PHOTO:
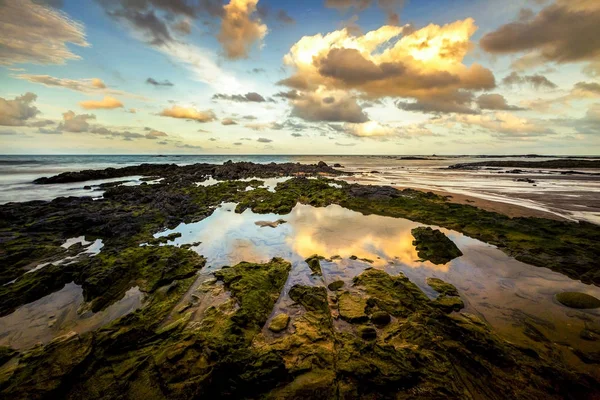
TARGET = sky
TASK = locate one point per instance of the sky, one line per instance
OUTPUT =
(409, 77)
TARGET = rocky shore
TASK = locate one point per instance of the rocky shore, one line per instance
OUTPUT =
(559, 164)
(380, 337)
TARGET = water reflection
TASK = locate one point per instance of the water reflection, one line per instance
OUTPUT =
(57, 314)
(510, 295)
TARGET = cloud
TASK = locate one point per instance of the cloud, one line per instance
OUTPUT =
(154, 134)
(33, 33)
(251, 97)
(75, 123)
(501, 124)
(188, 113)
(563, 32)
(588, 125)
(237, 143)
(17, 111)
(87, 86)
(345, 144)
(228, 121)
(537, 81)
(261, 126)
(592, 88)
(391, 7)
(154, 82)
(284, 17)
(425, 65)
(452, 102)
(495, 102)
(183, 27)
(263, 140)
(370, 129)
(240, 29)
(108, 103)
(336, 106)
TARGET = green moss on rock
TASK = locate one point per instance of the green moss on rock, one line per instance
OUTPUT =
(434, 246)
(279, 323)
(442, 287)
(578, 300)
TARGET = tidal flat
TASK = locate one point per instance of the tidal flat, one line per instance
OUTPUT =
(249, 280)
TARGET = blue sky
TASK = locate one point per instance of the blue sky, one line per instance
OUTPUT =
(290, 77)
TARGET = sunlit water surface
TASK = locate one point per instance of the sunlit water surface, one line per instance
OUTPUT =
(510, 295)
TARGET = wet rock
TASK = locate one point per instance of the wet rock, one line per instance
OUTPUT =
(6, 353)
(314, 263)
(578, 300)
(321, 164)
(338, 165)
(367, 332)
(380, 318)
(586, 334)
(592, 357)
(336, 285)
(352, 307)
(434, 246)
(310, 297)
(442, 287)
(270, 224)
(449, 303)
(279, 323)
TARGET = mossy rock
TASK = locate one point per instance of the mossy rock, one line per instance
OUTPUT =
(352, 307)
(6, 353)
(442, 287)
(279, 323)
(312, 298)
(334, 286)
(434, 246)
(314, 263)
(381, 318)
(367, 332)
(578, 300)
(449, 303)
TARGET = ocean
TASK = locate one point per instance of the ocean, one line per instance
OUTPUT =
(575, 197)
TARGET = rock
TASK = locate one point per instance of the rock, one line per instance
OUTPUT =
(449, 303)
(367, 332)
(434, 246)
(270, 224)
(578, 300)
(586, 334)
(314, 264)
(333, 286)
(322, 164)
(353, 257)
(380, 318)
(442, 287)
(352, 307)
(592, 357)
(279, 323)
(338, 165)
(310, 297)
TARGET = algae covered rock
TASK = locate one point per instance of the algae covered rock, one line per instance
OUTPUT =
(336, 285)
(367, 332)
(310, 297)
(279, 323)
(434, 246)
(578, 300)
(442, 287)
(314, 263)
(352, 307)
(380, 318)
(449, 303)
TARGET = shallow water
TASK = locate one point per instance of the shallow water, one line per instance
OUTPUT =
(508, 294)
(60, 313)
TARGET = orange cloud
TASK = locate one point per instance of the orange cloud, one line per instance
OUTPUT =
(239, 29)
(108, 103)
(188, 113)
(425, 64)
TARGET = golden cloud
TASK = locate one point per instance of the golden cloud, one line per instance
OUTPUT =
(564, 31)
(240, 29)
(108, 103)
(425, 64)
(188, 113)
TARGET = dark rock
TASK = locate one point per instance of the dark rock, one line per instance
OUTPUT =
(578, 300)
(367, 332)
(434, 246)
(333, 286)
(380, 318)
